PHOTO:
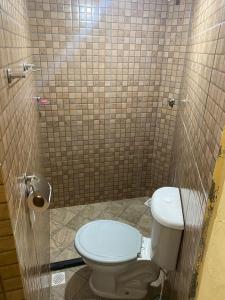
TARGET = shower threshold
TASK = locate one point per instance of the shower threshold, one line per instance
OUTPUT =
(65, 264)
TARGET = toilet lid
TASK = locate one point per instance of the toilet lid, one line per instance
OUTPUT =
(108, 241)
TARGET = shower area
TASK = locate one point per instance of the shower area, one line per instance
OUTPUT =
(122, 97)
(108, 69)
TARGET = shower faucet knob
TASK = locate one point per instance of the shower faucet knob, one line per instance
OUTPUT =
(171, 102)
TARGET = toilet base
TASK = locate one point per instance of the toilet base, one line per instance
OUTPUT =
(123, 293)
(126, 280)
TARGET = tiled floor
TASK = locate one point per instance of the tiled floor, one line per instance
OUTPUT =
(64, 224)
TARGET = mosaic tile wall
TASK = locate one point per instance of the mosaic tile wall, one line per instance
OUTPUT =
(176, 29)
(19, 152)
(108, 68)
(199, 128)
(10, 276)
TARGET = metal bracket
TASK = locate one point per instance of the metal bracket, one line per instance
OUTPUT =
(36, 98)
(30, 67)
(172, 101)
(27, 180)
(14, 75)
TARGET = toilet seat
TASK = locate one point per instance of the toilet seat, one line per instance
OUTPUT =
(108, 241)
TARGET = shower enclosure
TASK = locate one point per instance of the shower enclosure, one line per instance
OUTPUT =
(107, 70)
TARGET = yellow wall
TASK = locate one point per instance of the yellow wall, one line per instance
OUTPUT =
(211, 281)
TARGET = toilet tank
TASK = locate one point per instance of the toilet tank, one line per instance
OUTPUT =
(167, 227)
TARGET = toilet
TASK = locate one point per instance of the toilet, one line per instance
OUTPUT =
(123, 262)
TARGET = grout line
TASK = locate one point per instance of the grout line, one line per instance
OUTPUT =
(204, 109)
(208, 29)
(21, 198)
(195, 161)
(214, 58)
(182, 87)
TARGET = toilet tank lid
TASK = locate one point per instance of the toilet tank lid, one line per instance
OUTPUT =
(166, 207)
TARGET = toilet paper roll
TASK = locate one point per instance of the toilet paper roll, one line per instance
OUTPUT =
(40, 194)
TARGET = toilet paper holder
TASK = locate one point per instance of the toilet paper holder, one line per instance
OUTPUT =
(38, 192)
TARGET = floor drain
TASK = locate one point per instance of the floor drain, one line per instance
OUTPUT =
(58, 278)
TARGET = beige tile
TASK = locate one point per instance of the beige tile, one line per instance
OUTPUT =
(133, 213)
(76, 222)
(67, 254)
(145, 224)
(55, 249)
(62, 217)
(64, 237)
(116, 208)
(55, 226)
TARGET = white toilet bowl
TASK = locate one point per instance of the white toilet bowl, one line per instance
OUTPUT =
(124, 262)
(120, 259)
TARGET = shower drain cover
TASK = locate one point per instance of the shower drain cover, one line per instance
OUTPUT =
(58, 278)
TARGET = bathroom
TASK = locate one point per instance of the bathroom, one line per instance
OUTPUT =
(108, 104)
